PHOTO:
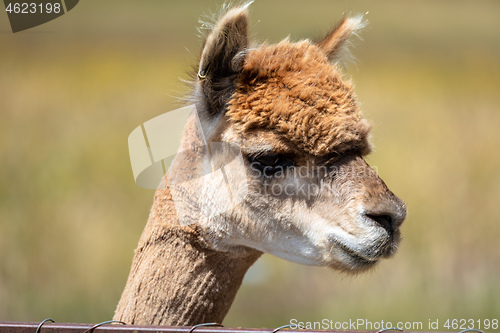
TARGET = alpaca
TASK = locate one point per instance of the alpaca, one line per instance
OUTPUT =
(296, 121)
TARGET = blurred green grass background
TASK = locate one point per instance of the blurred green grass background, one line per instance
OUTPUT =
(427, 75)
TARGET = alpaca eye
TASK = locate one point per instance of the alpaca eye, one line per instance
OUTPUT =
(274, 160)
(269, 164)
(270, 160)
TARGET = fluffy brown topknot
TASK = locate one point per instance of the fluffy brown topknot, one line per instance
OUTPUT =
(292, 89)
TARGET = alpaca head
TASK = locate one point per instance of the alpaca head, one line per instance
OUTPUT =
(311, 198)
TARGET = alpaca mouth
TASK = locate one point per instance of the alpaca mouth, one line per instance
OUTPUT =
(361, 257)
(357, 255)
(356, 259)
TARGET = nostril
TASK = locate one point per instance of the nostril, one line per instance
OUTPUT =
(384, 220)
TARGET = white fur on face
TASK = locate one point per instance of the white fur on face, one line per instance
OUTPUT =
(325, 230)
(312, 219)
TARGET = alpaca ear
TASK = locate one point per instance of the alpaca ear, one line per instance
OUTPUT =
(335, 44)
(222, 57)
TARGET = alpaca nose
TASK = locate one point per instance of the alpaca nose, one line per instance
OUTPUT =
(389, 214)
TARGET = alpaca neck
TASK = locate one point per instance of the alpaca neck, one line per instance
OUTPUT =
(176, 279)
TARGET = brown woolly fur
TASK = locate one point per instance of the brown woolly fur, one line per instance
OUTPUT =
(292, 89)
(176, 279)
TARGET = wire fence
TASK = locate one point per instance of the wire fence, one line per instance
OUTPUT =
(49, 326)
